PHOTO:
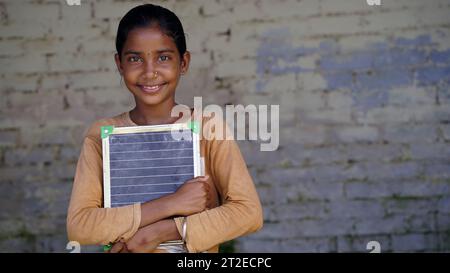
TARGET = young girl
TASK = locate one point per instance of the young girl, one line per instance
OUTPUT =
(205, 211)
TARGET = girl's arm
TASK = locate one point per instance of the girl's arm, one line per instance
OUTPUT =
(190, 198)
(148, 238)
(87, 221)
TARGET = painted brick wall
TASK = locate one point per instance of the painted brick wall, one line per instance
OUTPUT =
(364, 95)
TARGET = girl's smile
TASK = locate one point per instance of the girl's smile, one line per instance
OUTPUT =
(152, 89)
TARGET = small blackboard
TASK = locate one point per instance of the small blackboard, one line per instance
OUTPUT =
(142, 163)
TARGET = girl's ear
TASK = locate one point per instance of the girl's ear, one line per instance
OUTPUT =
(118, 63)
(185, 60)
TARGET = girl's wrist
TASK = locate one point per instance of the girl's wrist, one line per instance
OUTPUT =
(167, 230)
(172, 205)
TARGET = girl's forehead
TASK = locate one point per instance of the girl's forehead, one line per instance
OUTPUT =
(149, 38)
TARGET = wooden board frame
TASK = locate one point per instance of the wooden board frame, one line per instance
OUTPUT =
(111, 130)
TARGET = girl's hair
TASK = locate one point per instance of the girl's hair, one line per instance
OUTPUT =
(149, 15)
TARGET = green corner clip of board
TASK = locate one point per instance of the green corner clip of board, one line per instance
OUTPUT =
(107, 247)
(106, 131)
(194, 126)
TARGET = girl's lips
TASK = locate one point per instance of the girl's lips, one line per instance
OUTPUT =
(151, 89)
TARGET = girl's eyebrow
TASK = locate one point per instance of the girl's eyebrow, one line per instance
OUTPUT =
(128, 52)
(165, 50)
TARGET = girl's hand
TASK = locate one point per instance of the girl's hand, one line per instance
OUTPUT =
(192, 197)
(147, 239)
(144, 241)
(119, 247)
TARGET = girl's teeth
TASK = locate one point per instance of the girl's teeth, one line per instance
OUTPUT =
(151, 88)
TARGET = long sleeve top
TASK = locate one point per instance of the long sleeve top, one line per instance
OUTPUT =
(235, 211)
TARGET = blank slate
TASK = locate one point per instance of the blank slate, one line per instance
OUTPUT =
(142, 163)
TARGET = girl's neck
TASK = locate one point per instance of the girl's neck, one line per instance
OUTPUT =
(153, 115)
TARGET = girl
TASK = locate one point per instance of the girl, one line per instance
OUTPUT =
(204, 212)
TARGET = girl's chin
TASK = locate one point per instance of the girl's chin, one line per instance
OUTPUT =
(149, 100)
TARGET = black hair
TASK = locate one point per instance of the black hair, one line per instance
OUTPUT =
(151, 15)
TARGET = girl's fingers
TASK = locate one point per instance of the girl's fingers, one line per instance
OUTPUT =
(202, 178)
(198, 178)
(117, 247)
(124, 249)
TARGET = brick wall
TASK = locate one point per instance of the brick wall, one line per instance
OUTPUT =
(364, 113)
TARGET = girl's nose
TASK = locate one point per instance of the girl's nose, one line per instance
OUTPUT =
(149, 69)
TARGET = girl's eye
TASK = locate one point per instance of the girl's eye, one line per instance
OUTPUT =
(134, 59)
(163, 58)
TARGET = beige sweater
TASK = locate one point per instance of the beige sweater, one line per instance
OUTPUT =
(237, 210)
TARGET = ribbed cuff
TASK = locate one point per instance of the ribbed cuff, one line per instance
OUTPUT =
(179, 223)
(136, 220)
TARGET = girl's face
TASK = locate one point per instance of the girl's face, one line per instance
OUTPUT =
(151, 65)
